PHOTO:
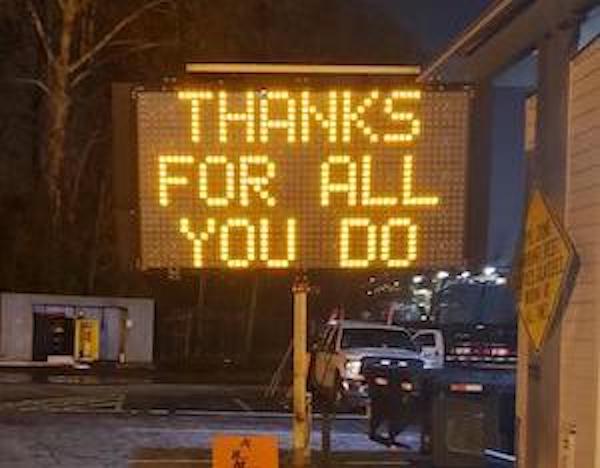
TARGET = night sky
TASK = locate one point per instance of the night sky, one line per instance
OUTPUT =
(436, 22)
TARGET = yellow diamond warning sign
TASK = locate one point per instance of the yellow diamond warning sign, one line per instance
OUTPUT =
(547, 268)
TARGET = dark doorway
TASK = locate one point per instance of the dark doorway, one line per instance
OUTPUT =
(53, 335)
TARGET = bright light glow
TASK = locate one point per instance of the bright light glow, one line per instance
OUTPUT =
(353, 368)
(253, 183)
(407, 183)
(242, 226)
(184, 228)
(413, 124)
(246, 117)
(265, 245)
(489, 270)
(349, 186)
(367, 199)
(441, 275)
(165, 180)
(243, 172)
(267, 122)
(348, 226)
(418, 279)
(195, 97)
(387, 240)
(203, 189)
(354, 117)
(328, 123)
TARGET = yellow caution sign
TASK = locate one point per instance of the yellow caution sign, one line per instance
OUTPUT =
(87, 340)
(245, 452)
(547, 269)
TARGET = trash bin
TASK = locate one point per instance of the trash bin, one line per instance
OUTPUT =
(467, 419)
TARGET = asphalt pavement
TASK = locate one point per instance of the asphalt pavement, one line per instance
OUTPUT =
(135, 398)
(102, 440)
(74, 420)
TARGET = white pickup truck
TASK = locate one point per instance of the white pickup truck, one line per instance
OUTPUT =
(345, 347)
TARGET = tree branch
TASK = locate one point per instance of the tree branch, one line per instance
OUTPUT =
(37, 83)
(131, 50)
(41, 32)
(108, 37)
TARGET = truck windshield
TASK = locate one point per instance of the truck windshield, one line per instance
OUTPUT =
(376, 338)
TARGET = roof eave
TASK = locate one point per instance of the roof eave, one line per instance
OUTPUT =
(475, 29)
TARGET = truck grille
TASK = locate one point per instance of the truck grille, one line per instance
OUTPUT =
(392, 363)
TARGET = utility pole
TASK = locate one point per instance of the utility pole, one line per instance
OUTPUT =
(301, 425)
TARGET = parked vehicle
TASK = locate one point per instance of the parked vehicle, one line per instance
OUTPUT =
(474, 326)
(430, 343)
(347, 347)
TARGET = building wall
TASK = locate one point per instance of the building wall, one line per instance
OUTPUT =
(580, 348)
(16, 323)
(16, 331)
(548, 170)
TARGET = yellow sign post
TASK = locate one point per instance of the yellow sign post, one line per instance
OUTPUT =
(245, 451)
(547, 269)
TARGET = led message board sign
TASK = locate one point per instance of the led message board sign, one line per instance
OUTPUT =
(285, 176)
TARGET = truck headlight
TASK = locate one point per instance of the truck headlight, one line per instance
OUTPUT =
(352, 368)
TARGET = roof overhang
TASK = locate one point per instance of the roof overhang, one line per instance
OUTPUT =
(504, 32)
(471, 33)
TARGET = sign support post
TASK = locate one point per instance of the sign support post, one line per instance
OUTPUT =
(301, 434)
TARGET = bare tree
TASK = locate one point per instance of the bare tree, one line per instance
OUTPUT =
(72, 41)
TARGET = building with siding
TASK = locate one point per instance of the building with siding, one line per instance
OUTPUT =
(535, 66)
(46, 328)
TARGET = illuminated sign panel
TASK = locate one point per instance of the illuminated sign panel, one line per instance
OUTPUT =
(301, 177)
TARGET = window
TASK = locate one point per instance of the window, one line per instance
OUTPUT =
(426, 339)
(376, 338)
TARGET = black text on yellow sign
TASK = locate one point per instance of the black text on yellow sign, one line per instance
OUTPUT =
(547, 263)
(320, 178)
